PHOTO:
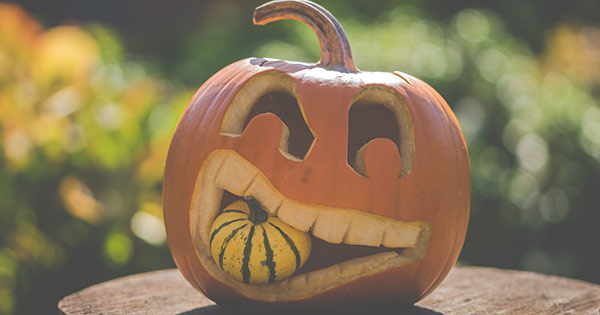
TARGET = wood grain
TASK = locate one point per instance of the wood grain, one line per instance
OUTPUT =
(466, 290)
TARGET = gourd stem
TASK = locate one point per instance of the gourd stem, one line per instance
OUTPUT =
(257, 214)
(335, 49)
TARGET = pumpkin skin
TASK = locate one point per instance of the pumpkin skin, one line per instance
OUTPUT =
(256, 252)
(435, 191)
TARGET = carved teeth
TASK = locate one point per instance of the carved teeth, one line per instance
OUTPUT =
(333, 225)
(227, 170)
(298, 215)
(269, 198)
(235, 176)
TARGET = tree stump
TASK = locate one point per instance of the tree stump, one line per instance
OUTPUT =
(466, 290)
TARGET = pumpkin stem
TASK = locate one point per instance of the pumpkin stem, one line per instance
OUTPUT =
(335, 49)
(257, 214)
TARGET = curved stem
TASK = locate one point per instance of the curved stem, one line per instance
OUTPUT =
(335, 49)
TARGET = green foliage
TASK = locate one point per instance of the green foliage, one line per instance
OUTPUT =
(83, 139)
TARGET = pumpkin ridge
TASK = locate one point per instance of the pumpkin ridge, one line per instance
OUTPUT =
(246, 260)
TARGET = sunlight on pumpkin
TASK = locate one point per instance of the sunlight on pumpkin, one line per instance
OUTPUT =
(79, 201)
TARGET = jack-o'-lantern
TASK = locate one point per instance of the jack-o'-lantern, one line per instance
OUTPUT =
(371, 168)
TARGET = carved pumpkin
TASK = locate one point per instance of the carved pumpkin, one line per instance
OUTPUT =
(372, 164)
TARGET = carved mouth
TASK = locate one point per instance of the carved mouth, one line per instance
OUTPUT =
(378, 243)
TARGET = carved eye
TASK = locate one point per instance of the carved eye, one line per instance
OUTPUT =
(378, 112)
(271, 92)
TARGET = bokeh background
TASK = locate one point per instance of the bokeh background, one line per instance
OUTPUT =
(91, 91)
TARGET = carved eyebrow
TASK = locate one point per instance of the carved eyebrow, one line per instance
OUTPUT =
(378, 112)
(272, 92)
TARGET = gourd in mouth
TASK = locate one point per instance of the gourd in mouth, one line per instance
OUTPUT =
(234, 174)
(253, 247)
(372, 167)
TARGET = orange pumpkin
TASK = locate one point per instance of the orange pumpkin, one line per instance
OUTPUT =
(372, 164)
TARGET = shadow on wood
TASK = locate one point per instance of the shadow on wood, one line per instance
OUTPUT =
(412, 310)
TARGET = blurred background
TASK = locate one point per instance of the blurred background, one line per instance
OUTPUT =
(91, 91)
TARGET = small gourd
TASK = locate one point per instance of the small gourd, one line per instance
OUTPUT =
(253, 247)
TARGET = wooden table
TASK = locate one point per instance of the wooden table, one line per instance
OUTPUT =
(466, 290)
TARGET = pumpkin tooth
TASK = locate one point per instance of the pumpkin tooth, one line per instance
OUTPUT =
(331, 226)
(371, 230)
(349, 226)
(269, 198)
(236, 175)
(299, 216)
(365, 229)
(402, 234)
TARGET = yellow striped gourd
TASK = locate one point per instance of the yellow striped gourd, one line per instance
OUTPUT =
(253, 247)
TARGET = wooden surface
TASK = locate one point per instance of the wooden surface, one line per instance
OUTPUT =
(466, 290)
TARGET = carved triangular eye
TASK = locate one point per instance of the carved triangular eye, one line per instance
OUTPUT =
(378, 112)
(271, 92)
